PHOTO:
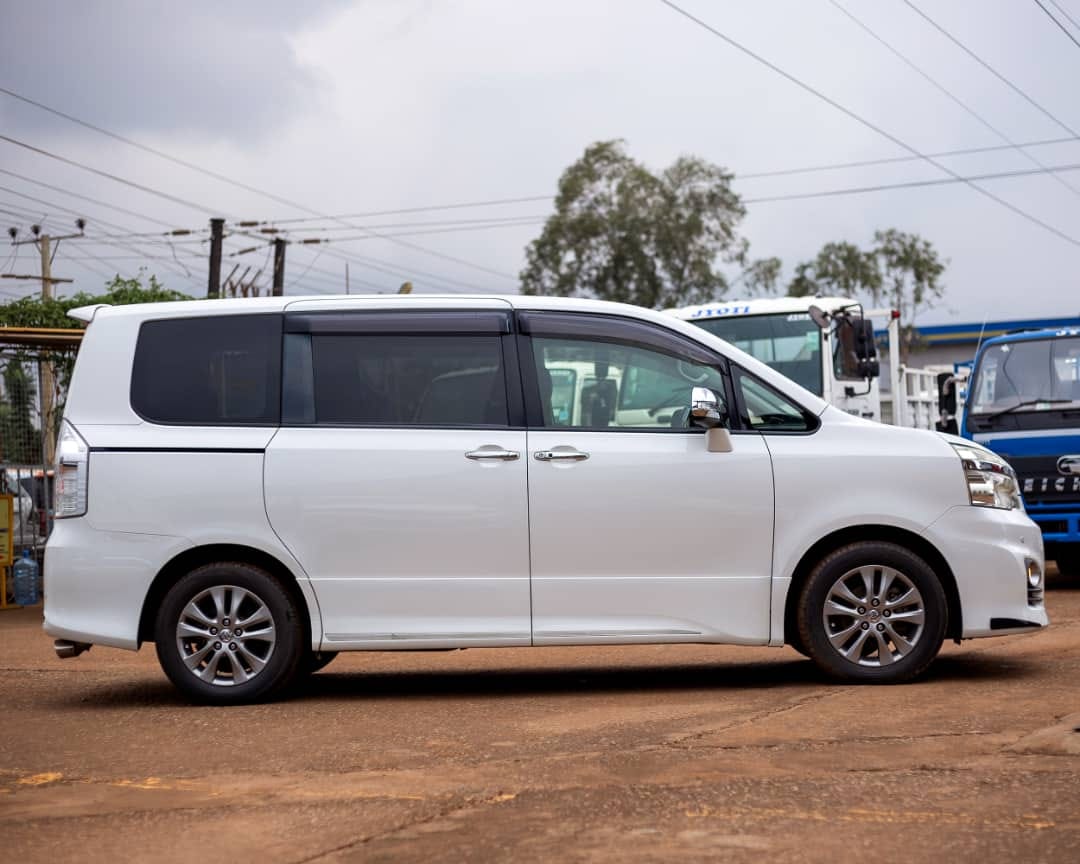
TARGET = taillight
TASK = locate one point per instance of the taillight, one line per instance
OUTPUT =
(72, 469)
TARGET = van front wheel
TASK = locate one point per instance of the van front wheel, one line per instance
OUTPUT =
(872, 612)
(229, 633)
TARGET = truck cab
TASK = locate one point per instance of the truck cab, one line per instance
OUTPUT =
(1023, 402)
(825, 344)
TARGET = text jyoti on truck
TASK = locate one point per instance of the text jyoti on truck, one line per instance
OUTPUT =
(1024, 404)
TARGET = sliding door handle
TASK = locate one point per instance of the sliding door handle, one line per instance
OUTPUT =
(560, 455)
(494, 453)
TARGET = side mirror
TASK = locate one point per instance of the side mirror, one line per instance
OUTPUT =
(946, 385)
(865, 346)
(869, 368)
(820, 317)
(704, 408)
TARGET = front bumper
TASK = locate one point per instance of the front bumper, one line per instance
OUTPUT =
(988, 551)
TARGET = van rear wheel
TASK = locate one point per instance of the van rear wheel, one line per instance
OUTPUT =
(229, 633)
(872, 612)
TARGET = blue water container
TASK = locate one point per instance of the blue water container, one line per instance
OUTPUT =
(25, 574)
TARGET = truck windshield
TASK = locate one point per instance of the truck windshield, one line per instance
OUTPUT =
(789, 343)
(1034, 375)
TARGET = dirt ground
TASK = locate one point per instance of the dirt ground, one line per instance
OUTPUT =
(559, 754)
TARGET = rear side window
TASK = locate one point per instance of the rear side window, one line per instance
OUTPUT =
(211, 371)
(395, 370)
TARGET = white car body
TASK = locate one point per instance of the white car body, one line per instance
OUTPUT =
(395, 541)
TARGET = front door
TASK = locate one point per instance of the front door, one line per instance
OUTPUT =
(397, 480)
(638, 532)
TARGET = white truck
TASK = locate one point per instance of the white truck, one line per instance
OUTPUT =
(827, 345)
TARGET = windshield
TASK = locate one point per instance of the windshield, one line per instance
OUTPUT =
(1037, 375)
(789, 343)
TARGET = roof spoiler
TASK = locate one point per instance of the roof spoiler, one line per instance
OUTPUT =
(86, 313)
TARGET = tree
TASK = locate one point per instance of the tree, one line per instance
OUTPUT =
(622, 233)
(900, 269)
(35, 312)
(910, 273)
(20, 442)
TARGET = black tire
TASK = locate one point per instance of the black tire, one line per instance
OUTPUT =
(795, 641)
(282, 656)
(881, 561)
(316, 660)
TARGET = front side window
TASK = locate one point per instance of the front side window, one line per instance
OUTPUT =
(213, 371)
(767, 410)
(369, 379)
(597, 380)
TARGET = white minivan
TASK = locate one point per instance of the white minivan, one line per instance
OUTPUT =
(256, 485)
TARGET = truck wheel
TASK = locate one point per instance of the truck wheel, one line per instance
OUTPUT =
(872, 612)
(229, 633)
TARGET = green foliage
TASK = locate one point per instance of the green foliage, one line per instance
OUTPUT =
(622, 233)
(20, 442)
(35, 312)
(901, 270)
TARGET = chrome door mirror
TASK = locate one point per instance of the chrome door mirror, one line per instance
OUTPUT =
(704, 408)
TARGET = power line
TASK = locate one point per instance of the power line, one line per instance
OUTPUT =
(1064, 29)
(140, 186)
(869, 125)
(952, 96)
(221, 177)
(911, 184)
(493, 202)
(864, 163)
(988, 67)
(439, 223)
(83, 197)
(1063, 11)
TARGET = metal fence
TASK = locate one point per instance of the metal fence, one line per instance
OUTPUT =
(31, 400)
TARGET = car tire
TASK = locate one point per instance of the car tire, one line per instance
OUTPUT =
(200, 649)
(872, 612)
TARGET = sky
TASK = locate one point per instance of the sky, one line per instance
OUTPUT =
(351, 107)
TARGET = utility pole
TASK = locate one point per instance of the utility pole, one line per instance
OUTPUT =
(213, 286)
(47, 377)
(279, 267)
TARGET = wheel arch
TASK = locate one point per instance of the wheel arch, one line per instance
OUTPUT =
(197, 556)
(880, 533)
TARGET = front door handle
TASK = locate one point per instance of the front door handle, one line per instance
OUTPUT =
(560, 455)
(496, 453)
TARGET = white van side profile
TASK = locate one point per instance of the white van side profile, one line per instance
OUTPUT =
(257, 485)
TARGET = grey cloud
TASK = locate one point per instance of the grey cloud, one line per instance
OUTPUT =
(217, 70)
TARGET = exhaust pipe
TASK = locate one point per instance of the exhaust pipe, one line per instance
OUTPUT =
(65, 649)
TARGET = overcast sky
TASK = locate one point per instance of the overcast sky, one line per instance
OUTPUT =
(373, 105)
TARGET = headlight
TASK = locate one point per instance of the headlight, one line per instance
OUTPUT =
(991, 481)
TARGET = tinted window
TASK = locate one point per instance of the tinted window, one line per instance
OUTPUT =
(589, 384)
(208, 371)
(399, 380)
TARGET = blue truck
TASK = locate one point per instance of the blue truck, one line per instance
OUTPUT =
(1023, 402)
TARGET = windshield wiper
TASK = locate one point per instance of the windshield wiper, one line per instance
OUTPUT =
(1027, 403)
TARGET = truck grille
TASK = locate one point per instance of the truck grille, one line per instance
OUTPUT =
(1040, 482)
